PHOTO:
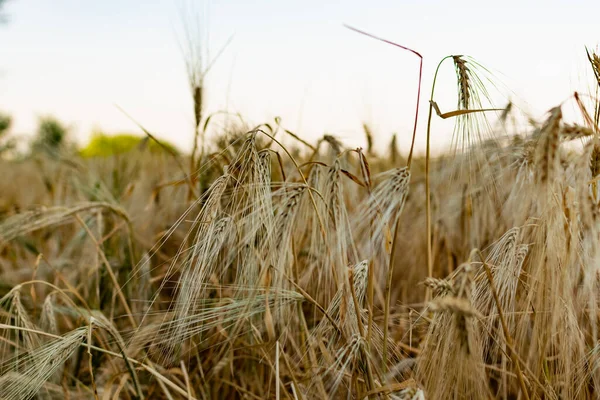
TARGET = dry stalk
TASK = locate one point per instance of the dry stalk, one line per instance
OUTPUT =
(507, 335)
(547, 152)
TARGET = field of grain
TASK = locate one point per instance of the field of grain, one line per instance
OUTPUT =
(255, 270)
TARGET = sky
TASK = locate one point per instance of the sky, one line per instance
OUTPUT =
(82, 60)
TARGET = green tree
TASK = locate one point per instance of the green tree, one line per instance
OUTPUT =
(6, 144)
(5, 123)
(51, 136)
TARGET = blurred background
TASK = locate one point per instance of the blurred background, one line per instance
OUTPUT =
(79, 61)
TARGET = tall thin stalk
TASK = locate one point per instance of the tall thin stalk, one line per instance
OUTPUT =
(513, 355)
(388, 287)
(198, 63)
(427, 179)
(412, 145)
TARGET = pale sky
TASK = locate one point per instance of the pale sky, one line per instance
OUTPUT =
(76, 59)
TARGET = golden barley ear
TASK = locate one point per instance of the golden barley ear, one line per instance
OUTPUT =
(463, 79)
(595, 159)
(368, 137)
(473, 81)
(575, 131)
(22, 377)
(506, 112)
(594, 60)
(394, 155)
(547, 147)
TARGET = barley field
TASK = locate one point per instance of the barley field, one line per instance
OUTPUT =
(257, 270)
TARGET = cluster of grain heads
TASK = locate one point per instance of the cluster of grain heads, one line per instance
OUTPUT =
(531, 318)
(341, 338)
(22, 376)
(256, 250)
(497, 293)
(306, 286)
(506, 258)
(343, 332)
(329, 231)
(235, 274)
(227, 316)
(14, 314)
(30, 221)
(342, 319)
(380, 212)
(546, 156)
(453, 340)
